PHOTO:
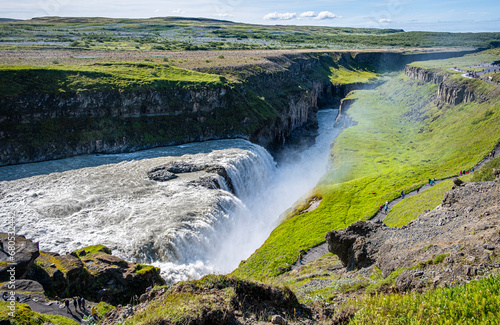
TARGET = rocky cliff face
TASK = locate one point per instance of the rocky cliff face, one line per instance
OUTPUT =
(266, 107)
(450, 90)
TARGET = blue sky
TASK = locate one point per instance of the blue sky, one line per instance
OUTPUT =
(428, 15)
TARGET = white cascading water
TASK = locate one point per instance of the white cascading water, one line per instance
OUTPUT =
(185, 229)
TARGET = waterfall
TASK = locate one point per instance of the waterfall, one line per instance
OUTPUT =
(183, 227)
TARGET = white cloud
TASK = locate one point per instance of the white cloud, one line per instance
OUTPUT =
(326, 15)
(385, 20)
(307, 14)
(224, 15)
(280, 16)
(178, 11)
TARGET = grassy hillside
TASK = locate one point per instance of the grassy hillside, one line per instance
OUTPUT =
(399, 142)
(173, 33)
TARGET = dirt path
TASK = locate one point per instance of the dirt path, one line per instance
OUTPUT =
(322, 249)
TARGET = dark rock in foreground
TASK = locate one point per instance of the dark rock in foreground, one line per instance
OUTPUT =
(91, 272)
(25, 254)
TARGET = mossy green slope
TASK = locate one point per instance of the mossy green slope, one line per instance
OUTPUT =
(400, 141)
(473, 303)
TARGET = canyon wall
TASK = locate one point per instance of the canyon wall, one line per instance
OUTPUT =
(265, 106)
(452, 88)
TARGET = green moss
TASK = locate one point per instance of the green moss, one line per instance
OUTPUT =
(89, 250)
(438, 259)
(25, 316)
(103, 307)
(144, 269)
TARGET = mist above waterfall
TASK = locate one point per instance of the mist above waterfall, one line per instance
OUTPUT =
(186, 229)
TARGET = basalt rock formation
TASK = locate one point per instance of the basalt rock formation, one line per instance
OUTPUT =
(450, 90)
(266, 106)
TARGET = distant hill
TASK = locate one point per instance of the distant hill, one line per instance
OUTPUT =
(182, 33)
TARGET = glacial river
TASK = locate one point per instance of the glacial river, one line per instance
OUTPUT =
(186, 229)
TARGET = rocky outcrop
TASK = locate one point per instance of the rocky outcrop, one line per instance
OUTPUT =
(455, 242)
(451, 91)
(224, 300)
(170, 170)
(454, 93)
(352, 245)
(91, 272)
(426, 75)
(17, 252)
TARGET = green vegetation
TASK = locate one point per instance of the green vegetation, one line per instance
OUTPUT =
(89, 250)
(190, 34)
(464, 61)
(103, 307)
(25, 316)
(144, 268)
(473, 303)
(485, 173)
(19, 79)
(216, 298)
(409, 208)
(389, 150)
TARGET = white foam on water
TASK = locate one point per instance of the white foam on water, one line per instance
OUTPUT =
(186, 229)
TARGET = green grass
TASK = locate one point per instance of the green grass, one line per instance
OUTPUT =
(473, 303)
(25, 316)
(386, 152)
(487, 56)
(21, 79)
(485, 173)
(410, 208)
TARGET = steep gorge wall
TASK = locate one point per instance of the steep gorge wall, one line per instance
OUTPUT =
(452, 90)
(266, 107)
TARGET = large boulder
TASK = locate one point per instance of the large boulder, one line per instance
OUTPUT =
(352, 246)
(61, 275)
(25, 287)
(117, 281)
(25, 254)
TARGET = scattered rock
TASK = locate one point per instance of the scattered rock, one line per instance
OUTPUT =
(447, 244)
(496, 172)
(277, 319)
